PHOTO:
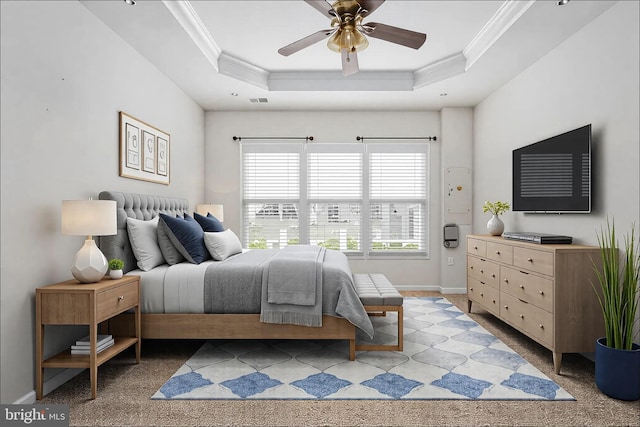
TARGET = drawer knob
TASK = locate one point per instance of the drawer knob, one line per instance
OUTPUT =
(493, 300)
(481, 271)
(530, 259)
(506, 280)
(506, 307)
(541, 292)
(471, 267)
(470, 289)
(475, 247)
(522, 316)
(541, 326)
(121, 298)
(493, 275)
(521, 286)
(481, 294)
(497, 252)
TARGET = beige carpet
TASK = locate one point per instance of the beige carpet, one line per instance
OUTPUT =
(124, 389)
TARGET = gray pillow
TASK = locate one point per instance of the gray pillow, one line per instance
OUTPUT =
(169, 252)
(144, 242)
(222, 244)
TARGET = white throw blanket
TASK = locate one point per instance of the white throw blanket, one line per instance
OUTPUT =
(292, 286)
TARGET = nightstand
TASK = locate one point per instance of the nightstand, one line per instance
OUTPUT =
(74, 303)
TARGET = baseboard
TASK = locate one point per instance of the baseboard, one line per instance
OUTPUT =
(49, 385)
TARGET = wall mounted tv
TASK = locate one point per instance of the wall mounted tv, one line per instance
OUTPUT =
(554, 175)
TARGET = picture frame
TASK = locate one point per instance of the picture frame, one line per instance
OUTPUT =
(144, 151)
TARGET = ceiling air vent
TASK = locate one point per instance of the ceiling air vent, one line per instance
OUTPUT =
(258, 100)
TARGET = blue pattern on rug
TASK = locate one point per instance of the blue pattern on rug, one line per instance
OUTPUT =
(462, 384)
(321, 385)
(248, 385)
(392, 385)
(532, 385)
(183, 384)
(446, 356)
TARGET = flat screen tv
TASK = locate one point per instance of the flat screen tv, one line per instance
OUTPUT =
(554, 175)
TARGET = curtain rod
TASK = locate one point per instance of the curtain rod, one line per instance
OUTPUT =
(428, 138)
(240, 138)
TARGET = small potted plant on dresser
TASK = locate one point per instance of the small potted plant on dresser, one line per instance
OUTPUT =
(495, 226)
(115, 268)
(617, 356)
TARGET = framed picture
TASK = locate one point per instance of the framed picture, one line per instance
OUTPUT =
(144, 151)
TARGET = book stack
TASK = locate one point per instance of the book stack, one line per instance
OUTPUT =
(83, 345)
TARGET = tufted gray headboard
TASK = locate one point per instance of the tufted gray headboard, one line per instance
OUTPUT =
(137, 206)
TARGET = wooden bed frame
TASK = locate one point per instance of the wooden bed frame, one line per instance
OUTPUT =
(199, 326)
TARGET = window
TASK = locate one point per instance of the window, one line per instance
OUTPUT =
(368, 199)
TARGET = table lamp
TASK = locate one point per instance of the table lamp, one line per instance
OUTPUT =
(89, 218)
(215, 210)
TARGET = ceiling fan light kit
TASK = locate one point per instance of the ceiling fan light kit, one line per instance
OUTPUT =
(348, 34)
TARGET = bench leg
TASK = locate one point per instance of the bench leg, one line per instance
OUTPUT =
(376, 310)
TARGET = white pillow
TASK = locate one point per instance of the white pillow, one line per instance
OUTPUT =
(143, 236)
(222, 244)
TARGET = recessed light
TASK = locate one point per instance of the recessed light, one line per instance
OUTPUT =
(563, 2)
(130, 2)
(234, 94)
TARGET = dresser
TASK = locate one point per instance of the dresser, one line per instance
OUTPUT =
(543, 291)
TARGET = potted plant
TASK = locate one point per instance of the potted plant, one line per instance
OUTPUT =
(617, 356)
(495, 226)
(115, 268)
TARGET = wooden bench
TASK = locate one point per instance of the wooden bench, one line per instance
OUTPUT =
(378, 296)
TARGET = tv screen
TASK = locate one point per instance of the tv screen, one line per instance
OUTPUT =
(554, 175)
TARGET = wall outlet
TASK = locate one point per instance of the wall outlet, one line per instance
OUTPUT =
(450, 260)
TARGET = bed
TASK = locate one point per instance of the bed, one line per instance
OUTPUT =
(236, 295)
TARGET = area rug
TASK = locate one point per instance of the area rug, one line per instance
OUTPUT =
(446, 356)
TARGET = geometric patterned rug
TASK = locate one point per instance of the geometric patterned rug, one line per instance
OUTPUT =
(446, 356)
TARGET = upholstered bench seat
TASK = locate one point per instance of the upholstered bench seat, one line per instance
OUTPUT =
(378, 296)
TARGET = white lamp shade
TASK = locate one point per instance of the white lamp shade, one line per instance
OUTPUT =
(215, 210)
(89, 217)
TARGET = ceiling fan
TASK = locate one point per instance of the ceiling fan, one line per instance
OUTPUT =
(348, 33)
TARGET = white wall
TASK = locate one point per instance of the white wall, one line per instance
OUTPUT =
(590, 78)
(223, 169)
(65, 77)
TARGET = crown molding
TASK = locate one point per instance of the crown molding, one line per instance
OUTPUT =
(187, 17)
(500, 22)
(440, 70)
(335, 81)
(243, 71)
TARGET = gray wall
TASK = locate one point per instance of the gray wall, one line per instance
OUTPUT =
(65, 77)
(590, 78)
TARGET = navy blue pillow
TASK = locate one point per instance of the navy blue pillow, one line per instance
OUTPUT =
(209, 223)
(187, 236)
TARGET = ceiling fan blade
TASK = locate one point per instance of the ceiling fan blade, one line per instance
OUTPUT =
(370, 6)
(349, 61)
(322, 6)
(305, 42)
(395, 35)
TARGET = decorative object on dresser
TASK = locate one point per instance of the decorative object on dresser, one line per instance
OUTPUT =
(495, 226)
(89, 218)
(66, 303)
(617, 356)
(541, 290)
(115, 268)
(144, 151)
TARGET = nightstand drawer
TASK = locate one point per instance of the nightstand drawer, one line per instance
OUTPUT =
(499, 252)
(116, 300)
(527, 287)
(485, 271)
(487, 296)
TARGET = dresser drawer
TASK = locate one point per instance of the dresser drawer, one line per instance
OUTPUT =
(534, 260)
(486, 296)
(116, 300)
(527, 287)
(485, 271)
(536, 322)
(499, 252)
(476, 247)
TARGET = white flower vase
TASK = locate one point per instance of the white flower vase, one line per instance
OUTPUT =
(495, 226)
(115, 274)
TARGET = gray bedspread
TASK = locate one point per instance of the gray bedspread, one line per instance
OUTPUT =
(235, 286)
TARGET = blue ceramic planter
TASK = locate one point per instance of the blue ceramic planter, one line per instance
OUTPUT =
(618, 371)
